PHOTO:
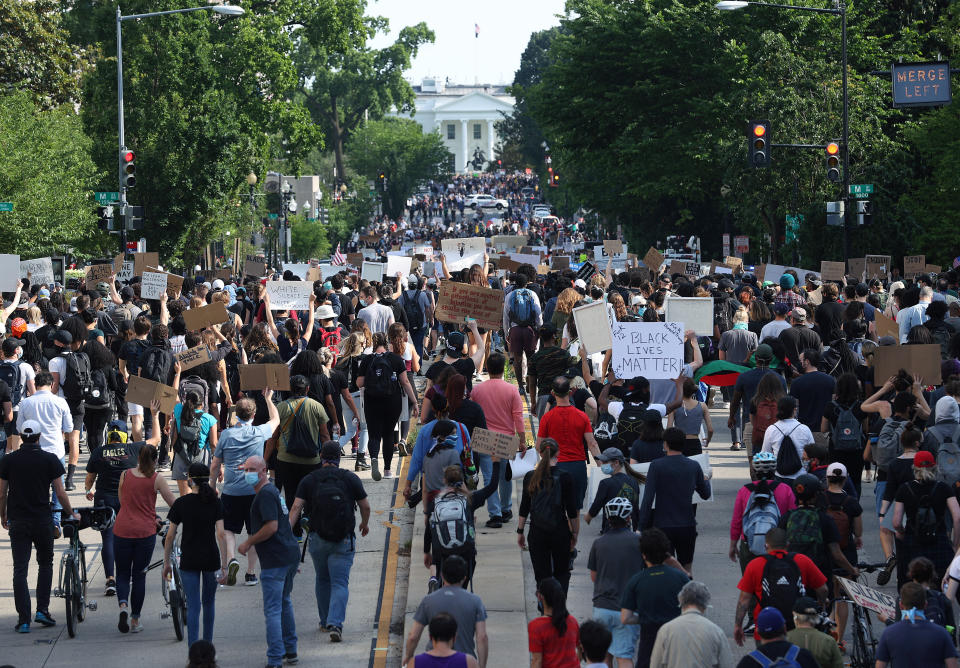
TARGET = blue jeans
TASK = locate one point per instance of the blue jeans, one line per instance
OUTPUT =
(106, 537)
(878, 490)
(54, 501)
(579, 472)
(485, 464)
(332, 562)
(417, 338)
(132, 556)
(192, 581)
(276, 585)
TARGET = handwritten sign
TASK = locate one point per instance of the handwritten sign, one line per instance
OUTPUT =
(463, 253)
(694, 313)
(372, 271)
(263, 376)
(152, 284)
(734, 263)
(40, 270)
(141, 391)
(613, 246)
(653, 259)
(858, 267)
(913, 265)
(126, 272)
(356, 259)
(143, 260)
(398, 263)
(932, 269)
(684, 268)
(878, 266)
(96, 274)
(869, 598)
(593, 327)
(205, 316)
(494, 443)
(254, 268)
(832, 271)
(461, 300)
(289, 295)
(192, 357)
(653, 350)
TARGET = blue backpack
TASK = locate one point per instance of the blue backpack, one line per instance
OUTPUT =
(521, 308)
(787, 661)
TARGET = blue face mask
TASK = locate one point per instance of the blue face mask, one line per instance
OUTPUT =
(251, 478)
(607, 468)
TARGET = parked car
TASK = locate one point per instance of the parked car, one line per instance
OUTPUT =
(484, 201)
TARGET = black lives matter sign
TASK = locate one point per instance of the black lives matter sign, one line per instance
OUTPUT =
(921, 84)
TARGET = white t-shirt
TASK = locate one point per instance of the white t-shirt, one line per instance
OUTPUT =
(953, 572)
(58, 365)
(615, 407)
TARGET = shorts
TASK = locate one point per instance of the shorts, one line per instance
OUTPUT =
(181, 463)
(10, 428)
(522, 340)
(134, 409)
(76, 412)
(684, 541)
(625, 636)
(236, 512)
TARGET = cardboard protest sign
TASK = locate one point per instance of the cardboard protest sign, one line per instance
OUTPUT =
(832, 271)
(40, 270)
(205, 316)
(263, 376)
(254, 268)
(192, 357)
(463, 253)
(858, 267)
(461, 300)
(97, 273)
(735, 263)
(494, 443)
(653, 350)
(174, 282)
(543, 269)
(509, 241)
(152, 284)
(507, 264)
(886, 326)
(523, 258)
(143, 260)
(117, 263)
(593, 327)
(141, 391)
(369, 238)
(869, 598)
(815, 297)
(932, 269)
(694, 313)
(919, 360)
(600, 254)
(289, 295)
(878, 266)
(560, 262)
(913, 265)
(356, 259)
(372, 271)
(613, 246)
(398, 263)
(653, 259)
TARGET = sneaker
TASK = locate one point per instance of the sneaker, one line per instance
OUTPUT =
(232, 569)
(163, 468)
(884, 576)
(44, 619)
(323, 627)
(387, 473)
(735, 447)
(69, 485)
(506, 515)
(573, 558)
(868, 476)
(750, 627)
(433, 584)
(375, 462)
(136, 626)
(336, 634)
(361, 464)
(353, 450)
(251, 580)
(494, 523)
(57, 531)
(291, 659)
(22, 628)
(123, 625)
(111, 587)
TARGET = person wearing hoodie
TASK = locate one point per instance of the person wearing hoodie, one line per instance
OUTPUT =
(947, 425)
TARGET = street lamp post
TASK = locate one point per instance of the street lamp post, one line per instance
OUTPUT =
(226, 10)
(839, 9)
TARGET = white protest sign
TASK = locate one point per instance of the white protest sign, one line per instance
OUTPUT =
(369, 253)
(152, 285)
(425, 251)
(289, 295)
(40, 270)
(593, 327)
(773, 273)
(869, 598)
(525, 258)
(298, 270)
(694, 313)
(653, 350)
(126, 273)
(399, 263)
(9, 272)
(430, 268)
(523, 464)
(463, 253)
(372, 271)
(600, 254)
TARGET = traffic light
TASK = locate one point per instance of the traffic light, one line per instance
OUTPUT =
(758, 144)
(105, 218)
(133, 217)
(382, 180)
(833, 161)
(555, 179)
(128, 168)
(864, 212)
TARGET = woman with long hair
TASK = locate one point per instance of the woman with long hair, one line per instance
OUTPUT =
(202, 552)
(258, 342)
(846, 403)
(360, 325)
(194, 437)
(763, 408)
(566, 301)
(553, 636)
(307, 363)
(619, 308)
(649, 444)
(478, 276)
(549, 499)
(98, 409)
(399, 345)
(354, 419)
(291, 340)
(436, 389)
(689, 417)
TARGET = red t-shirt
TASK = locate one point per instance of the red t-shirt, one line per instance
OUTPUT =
(566, 425)
(557, 652)
(752, 579)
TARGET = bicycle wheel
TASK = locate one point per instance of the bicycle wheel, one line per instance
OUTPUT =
(870, 641)
(176, 613)
(70, 597)
(82, 586)
(860, 657)
(183, 598)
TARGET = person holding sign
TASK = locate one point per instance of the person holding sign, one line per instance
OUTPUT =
(292, 340)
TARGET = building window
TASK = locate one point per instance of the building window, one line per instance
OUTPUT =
(452, 164)
(476, 131)
(451, 131)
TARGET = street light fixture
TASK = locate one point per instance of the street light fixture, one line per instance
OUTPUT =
(839, 9)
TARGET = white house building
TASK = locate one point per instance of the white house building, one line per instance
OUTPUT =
(464, 116)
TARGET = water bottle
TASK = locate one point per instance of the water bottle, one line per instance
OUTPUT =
(283, 505)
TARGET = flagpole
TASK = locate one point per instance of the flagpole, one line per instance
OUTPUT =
(476, 40)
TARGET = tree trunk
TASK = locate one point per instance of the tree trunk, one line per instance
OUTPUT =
(337, 139)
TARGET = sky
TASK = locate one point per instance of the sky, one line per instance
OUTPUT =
(493, 57)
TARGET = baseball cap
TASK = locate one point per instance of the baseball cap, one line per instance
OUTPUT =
(799, 314)
(126, 292)
(924, 460)
(725, 284)
(43, 292)
(218, 284)
(580, 283)
(330, 451)
(455, 344)
(413, 280)
(611, 455)
(781, 309)
(836, 470)
(63, 337)
(806, 606)
(764, 352)
(10, 346)
(30, 428)
(18, 326)
(770, 622)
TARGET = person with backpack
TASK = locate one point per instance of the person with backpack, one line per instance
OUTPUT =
(785, 438)
(847, 514)
(773, 648)
(194, 436)
(744, 390)
(621, 482)
(919, 512)
(846, 423)
(129, 355)
(326, 498)
(417, 305)
(763, 409)
(939, 608)
(19, 377)
(71, 380)
(942, 434)
(100, 403)
(915, 641)
(329, 334)
(549, 501)
(157, 363)
(521, 315)
(757, 509)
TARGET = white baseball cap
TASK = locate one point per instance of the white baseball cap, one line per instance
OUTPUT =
(217, 284)
(836, 470)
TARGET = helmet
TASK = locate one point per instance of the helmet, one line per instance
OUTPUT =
(618, 507)
(764, 462)
(806, 486)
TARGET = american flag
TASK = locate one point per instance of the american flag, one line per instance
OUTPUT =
(476, 30)
(339, 258)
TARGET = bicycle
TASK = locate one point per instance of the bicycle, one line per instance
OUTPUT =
(72, 579)
(864, 646)
(172, 588)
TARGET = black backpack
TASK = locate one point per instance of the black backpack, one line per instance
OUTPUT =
(782, 584)
(157, 364)
(300, 442)
(411, 306)
(188, 438)
(77, 383)
(788, 461)
(924, 524)
(546, 507)
(12, 375)
(380, 381)
(331, 507)
(101, 396)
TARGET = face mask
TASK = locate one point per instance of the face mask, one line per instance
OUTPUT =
(607, 468)
(363, 302)
(251, 478)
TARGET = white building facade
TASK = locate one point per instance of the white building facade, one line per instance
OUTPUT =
(464, 116)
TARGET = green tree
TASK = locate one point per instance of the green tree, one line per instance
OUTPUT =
(308, 239)
(399, 147)
(47, 172)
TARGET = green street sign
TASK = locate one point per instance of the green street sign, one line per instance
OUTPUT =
(793, 223)
(6, 206)
(861, 189)
(273, 216)
(104, 198)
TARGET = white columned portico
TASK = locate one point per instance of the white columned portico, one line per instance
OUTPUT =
(463, 145)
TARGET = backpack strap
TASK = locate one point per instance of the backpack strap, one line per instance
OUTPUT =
(792, 653)
(760, 658)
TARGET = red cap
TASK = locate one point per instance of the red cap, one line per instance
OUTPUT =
(924, 459)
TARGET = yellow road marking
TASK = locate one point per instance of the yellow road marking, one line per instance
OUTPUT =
(390, 578)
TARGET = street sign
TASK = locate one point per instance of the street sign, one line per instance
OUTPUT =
(104, 198)
(6, 206)
(273, 216)
(793, 223)
(861, 189)
(741, 244)
(920, 84)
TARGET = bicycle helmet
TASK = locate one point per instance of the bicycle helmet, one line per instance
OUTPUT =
(618, 507)
(764, 462)
(806, 486)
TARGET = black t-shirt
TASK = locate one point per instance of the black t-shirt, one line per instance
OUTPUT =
(899, 472)
(776, 649)
(829, 317)
(130, 352)
(471, 415)
(5, 396)
(646, 451)
(198, 544)
(307, 488)
(109, 461)
(464, 366)
(849, 505)
(910, 494)
(29, 472)
(397, 366)
(812, 392)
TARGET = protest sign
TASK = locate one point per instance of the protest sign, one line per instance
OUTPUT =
(694, 313)
(463, 253)
(513, 242)
(289, 295)
(40, 270)
(593, 327)
(653, 259)
(600, 254)
(298, 270)
(734, 263)
(773, 272)
(613, 246)
(356, 259)
(126, 274)
(507, 264)
(815, 297)
(458, 301)
(9, 272)
(684, 268)
(922, 360)
(117, 263)
(560, 262)
(174, 282)
(425, 251)
(372, 271)
(369, 238)
(858, 267)
(494, 443)
(263, 376)
(254, 269)
(653, 350)
(913, 265)
(141, 391)
(192, 357)
(932, 269)
(398, 263)
(430, 269)
(543, 269)
(205, 316)
(97, 273)
(524, 258)
(878, 266)
(586, 271)
(152, 284)
(886, 326)
(143, 260)
(869, 598)
(832, 271)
